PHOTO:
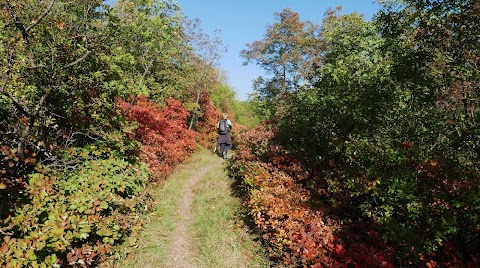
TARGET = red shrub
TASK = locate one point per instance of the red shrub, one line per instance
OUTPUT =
(163, 133)
(293, 225)
(207, 126)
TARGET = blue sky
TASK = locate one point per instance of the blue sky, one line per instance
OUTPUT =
(244, 21)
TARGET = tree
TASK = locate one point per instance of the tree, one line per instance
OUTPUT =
(51, 70)
(289, 52)
(388, 132)
(351, 94)
(203, 53)
(147, 35)
(435, 48)
(390, 121)
(445, 35)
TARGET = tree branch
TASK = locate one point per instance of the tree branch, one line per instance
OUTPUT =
(42, 100)
(41, 16)
(24, 32)
(18, 23)
(84, 56)
(130, 105)
(15, 101)
(33, 117)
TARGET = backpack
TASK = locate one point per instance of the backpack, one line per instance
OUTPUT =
(223, 127)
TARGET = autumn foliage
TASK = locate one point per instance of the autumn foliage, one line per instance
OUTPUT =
(163, 133)
(206, 133)
(298, 230)
(379, 135)
(75, 220)
(307, 220)
(76, 154)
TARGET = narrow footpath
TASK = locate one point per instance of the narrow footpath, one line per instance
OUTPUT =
(197, 222)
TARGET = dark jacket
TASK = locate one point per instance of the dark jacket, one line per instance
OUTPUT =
(225, 138)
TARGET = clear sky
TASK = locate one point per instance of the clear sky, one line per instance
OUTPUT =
(244, 21)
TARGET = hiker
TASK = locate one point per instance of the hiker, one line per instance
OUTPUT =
(224, 126)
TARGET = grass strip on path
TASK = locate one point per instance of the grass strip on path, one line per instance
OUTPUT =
(209, 216)
(224, 241)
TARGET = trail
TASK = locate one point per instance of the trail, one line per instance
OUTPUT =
(181, 249)
(196, 222)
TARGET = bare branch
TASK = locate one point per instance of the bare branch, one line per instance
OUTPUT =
(146, 70)
(70, 165)
(84, 56)
(17, 22)
(23, 109)
(24, 32)
(42, 100)
(70, 139)
(41, 16)
(139, 86)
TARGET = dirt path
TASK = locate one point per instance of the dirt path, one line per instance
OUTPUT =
(181, 251)
(196, 223)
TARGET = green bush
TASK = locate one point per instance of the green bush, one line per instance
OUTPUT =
(73, 218)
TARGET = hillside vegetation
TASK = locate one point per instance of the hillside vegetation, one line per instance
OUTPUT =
(364, 149)
(97, 102)
(371, 153)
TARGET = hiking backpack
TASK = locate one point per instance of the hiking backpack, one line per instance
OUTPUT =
(223, 127)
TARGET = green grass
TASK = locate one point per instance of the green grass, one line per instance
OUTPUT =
(223, 239)
(152, 248)
(220, 237)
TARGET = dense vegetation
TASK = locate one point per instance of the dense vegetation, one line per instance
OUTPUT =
(96, 102)
(371, 153)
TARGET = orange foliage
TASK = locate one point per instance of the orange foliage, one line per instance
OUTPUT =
(207, 127)
(163, 133)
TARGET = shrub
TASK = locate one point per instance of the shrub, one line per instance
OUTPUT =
(74, 219)
(162, 132)
(206, 130)
(297, 229)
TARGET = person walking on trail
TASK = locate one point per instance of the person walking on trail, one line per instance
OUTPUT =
(224, 126)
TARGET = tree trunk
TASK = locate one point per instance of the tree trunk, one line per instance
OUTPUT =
(194, 113)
